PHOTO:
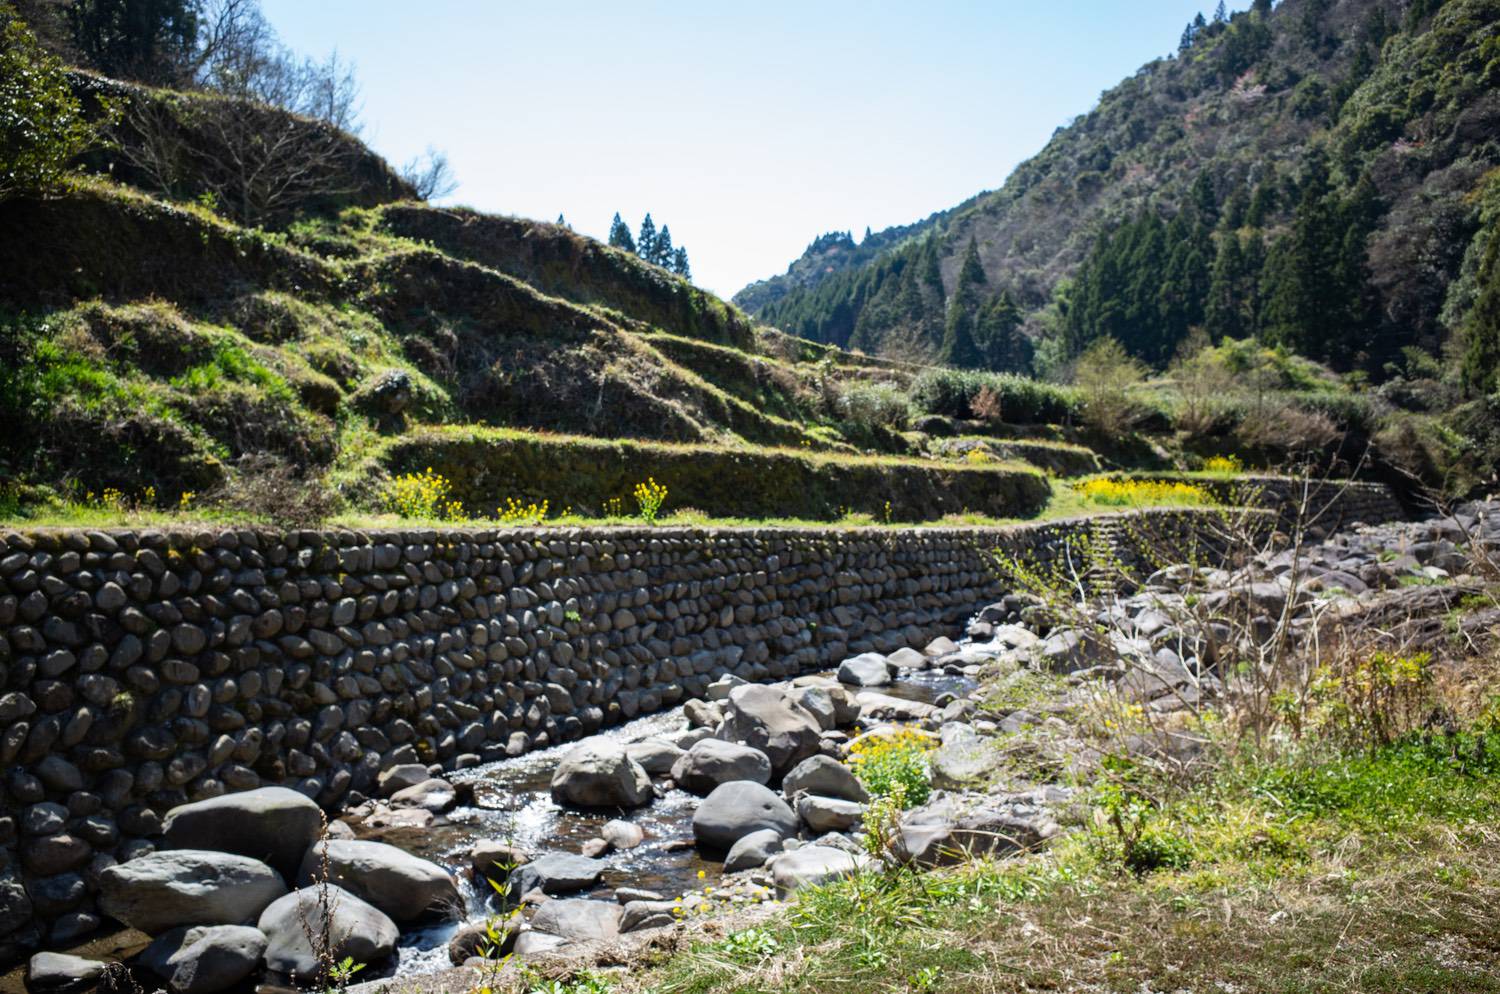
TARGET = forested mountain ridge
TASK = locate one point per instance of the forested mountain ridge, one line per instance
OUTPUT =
(1320, 174)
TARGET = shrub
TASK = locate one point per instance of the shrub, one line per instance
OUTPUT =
(873, 406)
(274, 490)
(953, 392)
(1105, 375)
(1223, 464)
(987, 406)
(42, 127)
(894, 766)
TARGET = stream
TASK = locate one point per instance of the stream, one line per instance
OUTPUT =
(513, 802)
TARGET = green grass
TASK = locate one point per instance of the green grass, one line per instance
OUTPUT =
(1323, 872)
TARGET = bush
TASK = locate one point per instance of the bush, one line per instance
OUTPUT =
(873, 406)
(894, 766)
(1105, 375)
(271, 489)
(1141, 493)
(422, 495)
(953, 392)
(41, 125)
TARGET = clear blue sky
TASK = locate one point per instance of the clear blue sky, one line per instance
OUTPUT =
(749, 128)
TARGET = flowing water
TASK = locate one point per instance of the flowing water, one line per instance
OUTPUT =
(513, 802)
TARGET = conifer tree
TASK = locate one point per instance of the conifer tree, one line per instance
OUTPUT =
(1225, 312)
(562, 222)
(619, 234)
(1480, 369)
(645, 242)
(1221, 15)
(661, 249)
(680, 263)
(959, 347)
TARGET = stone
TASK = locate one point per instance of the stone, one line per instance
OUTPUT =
(162, 890)
(534, 943)
(767, 719)
(272, 824)
(828, 814)
(736, 809)
(352, 927)
(648, 914)
(945, 831)
(812, 865)
(554, 874)
(622, 834)
(940, 646)
(909, 659)
(475, 939)
(714, 761)
(578, 918)
(492, 859)
(868, 669)
(964, 758)
(825, 776)
(400, 777)
(405, 887)
(59, 973)
(205, 959)
(598, 773)
(654, 756)
(432, 795)
(753, 850)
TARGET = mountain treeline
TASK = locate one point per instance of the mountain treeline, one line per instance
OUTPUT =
(1321, 174)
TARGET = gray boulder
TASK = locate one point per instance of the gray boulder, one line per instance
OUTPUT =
(404, 886)
(714, 761)
(827, 814)
(162, 890)
(622, 834)
(868, 669)
(655, 756)
(648, 914)
(534, 943)
(205, 959)
(352, 927)
(818, 702)
(736, 809)
(272, 824)
(432, 795)
(767, 719)
(599, 773)
(964, 758)
(825, 776)
(555, 873)
(946, 831)
(58, 973)
(812, 865)
(494, 860)
(578, 918)
(402, 776)
(753, 850)
(908, 659)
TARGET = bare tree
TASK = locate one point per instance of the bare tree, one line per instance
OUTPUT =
(429, 174)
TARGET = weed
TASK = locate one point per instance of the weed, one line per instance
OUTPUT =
(649, 497)
(894, 765)
(422, 495)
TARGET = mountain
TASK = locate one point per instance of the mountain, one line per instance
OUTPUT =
(1320, 174)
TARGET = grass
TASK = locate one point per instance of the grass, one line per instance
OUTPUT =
(1369, 872)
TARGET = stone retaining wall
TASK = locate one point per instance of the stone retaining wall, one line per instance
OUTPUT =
(139, 670)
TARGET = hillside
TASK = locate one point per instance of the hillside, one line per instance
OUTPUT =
(1381, 114)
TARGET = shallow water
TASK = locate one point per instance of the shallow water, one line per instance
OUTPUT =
(513, 802)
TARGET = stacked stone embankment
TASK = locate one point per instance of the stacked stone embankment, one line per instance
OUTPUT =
(140, 670)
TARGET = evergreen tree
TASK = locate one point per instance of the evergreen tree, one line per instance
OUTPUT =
(960, 347)
(1001, 343)
(562, 222)
(151, 41)
(1480, 369)
(680, 263)
(1226, 314)
(1262, 203)
(1221, 14)
(645, 242)
(619, 234)
(1261, 7)
(661, 249)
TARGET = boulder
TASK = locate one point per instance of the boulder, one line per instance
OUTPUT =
(599, 773)
(940, 646)
(432, 795)
(58, 973)
(534, 943)
(352, 927)
(578, 918)
(965, 757)
(825, 776)
(908, 659)
(714, 761)
(475, 939)
(272, 824)
(405, 887)
(554, 873)
(736, 809)
(205, 959)
(819, 703)
(402, 776)
(812, 865)
(946, 831)
(767, 719)
(622, 834)
(868, 669)
(828, 814)
(753, 850)
(162, 890)
(648, 914)
(494, 860)
(654, 756)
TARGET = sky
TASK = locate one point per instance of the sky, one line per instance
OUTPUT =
(748, 128)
